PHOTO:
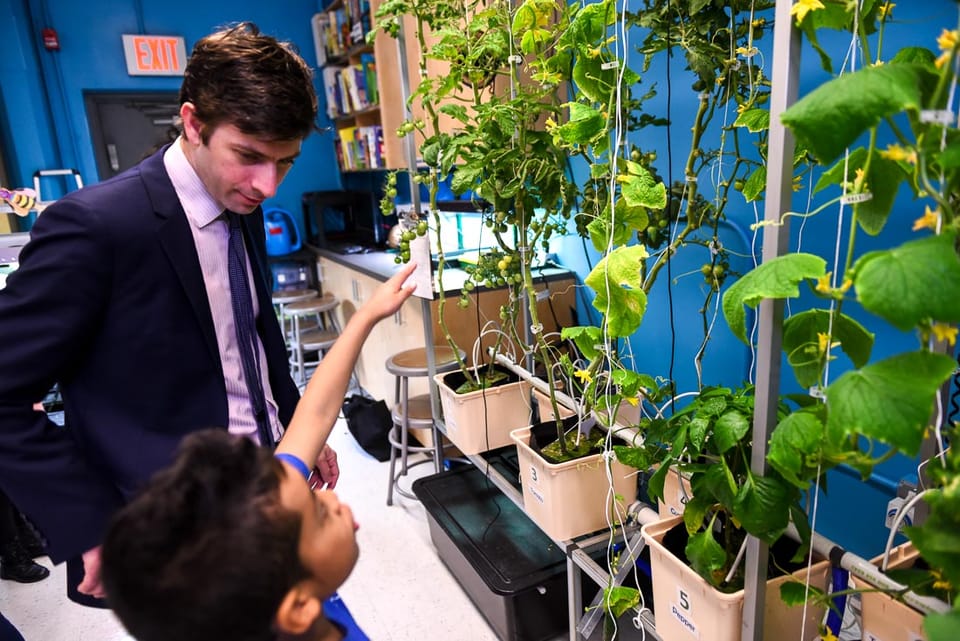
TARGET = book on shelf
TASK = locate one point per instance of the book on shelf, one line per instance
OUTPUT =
(332, 92)
(347, 89)
(360, 147)
(319, 25)
(359, 11)
(368, 69)
(332, 31)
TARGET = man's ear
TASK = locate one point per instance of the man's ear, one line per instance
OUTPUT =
(299, 609)
(192, 126)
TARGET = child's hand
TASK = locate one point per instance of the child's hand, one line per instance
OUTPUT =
(388, 298)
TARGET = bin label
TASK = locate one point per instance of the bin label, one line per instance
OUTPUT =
(536, 493)
(681, 612)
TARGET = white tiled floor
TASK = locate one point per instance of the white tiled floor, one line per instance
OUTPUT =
(399, 591)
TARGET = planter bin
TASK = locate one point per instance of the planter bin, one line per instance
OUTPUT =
(516, 576)
(884, 618)
(482, 420)
(687, 607)
(571, 499)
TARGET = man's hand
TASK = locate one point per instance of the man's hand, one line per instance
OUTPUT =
(92, 584)
(327, 465)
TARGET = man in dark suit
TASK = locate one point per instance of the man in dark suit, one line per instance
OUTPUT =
(123, 299)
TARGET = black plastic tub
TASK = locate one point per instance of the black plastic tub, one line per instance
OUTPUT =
(514, 574)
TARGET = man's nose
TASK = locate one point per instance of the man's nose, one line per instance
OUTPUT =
(266, 179)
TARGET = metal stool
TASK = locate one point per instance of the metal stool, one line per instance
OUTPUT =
(314, 329)
(285, 297)
(412, 412)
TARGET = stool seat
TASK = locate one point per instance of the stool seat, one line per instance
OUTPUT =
(419, 412)
(315, 305)
(413, 362)
(318, 339)
(314, 328)
(287, 296)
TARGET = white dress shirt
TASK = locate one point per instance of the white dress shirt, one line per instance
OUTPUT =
(211, 236)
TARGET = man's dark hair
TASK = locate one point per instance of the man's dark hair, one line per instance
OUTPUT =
(206, 551)
(260, 85)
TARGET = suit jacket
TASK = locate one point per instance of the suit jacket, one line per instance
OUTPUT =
(109, 302)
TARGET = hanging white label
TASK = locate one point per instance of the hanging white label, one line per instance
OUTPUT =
(852, 199)
(612, 64)
(939, 116)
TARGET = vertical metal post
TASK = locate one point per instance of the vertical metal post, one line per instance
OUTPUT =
(776, 238)
(409, 147)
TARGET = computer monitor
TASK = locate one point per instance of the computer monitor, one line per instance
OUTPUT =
(345, 219)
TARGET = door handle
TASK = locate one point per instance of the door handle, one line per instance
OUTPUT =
(112, 156)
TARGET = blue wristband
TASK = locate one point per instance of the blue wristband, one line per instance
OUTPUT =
(294, 461)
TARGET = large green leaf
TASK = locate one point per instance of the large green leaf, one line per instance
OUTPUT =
(831, 117)
(716, 484)
(698, 432)
(695, 511)
(636, 457)
(729, 429)
(914, 282)
(620, 599)
(707, 557)
(657, 480)
(619, 287)
(755, 120)
(640, 189)
(883, 182)
(763, 506)
(587, 337)
(584, 124)
(890, 401)
(776, 278)
(796, 441)
(802, 346)
(755, 184)
(619, 230)
(942, 627)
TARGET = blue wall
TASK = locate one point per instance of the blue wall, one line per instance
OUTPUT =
(43, 122)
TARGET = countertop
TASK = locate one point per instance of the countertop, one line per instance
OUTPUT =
(381, 266)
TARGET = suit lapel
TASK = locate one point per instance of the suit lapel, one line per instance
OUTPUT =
(177, 242)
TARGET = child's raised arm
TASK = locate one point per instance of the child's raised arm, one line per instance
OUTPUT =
(320, 404)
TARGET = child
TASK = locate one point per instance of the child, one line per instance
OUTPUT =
(230, 542)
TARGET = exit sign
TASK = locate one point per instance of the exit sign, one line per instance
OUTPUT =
(154, 55)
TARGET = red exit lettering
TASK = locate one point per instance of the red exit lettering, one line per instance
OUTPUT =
(156, 53)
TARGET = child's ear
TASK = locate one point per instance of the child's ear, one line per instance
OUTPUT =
(299, 609)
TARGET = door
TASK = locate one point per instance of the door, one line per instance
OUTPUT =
(127, 127)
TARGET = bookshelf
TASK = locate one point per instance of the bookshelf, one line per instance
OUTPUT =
(361, 86)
